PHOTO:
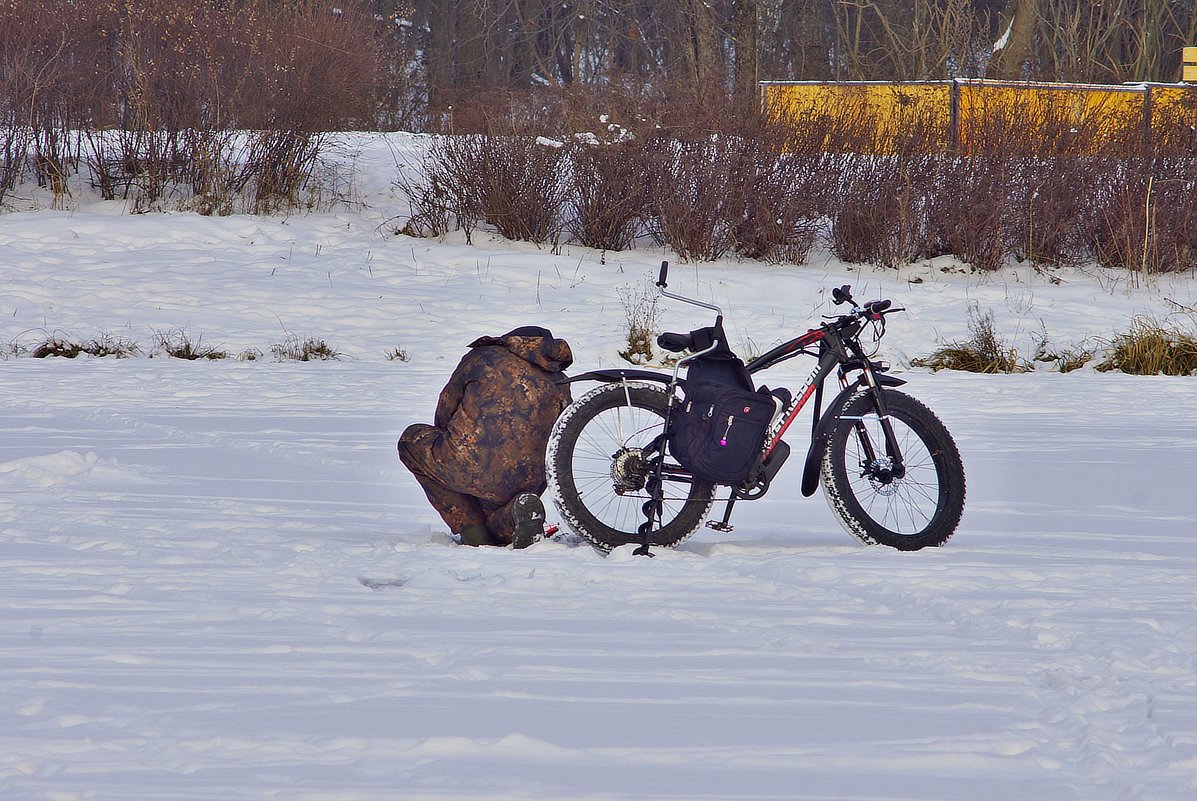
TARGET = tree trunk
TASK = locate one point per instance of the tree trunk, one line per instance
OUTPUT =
(1017, 40)
(747, 54)
(698, 33)
(441, 19)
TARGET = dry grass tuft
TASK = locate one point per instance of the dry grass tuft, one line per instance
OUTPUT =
(309, 350)
(984, 352)
(1150, 348)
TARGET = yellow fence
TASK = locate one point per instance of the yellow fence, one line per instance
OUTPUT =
(979, 115)
(1190, 67)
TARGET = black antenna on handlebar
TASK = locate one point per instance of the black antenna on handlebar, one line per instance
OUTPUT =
(661, 283)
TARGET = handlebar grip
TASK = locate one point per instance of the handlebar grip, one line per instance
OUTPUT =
(675, 343)
(878, 306)
(664, 273)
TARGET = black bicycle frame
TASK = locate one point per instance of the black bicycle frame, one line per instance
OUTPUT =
(838, 350)
(835, 351)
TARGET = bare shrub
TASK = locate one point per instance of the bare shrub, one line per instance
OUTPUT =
(132, 87)
(216, 176)
(1144, 219)
(47, 78)
(1054, 165)
(519, 187)
(14, 147)
(1173, 131)
(879, 218)
(784, 196)
(430, 200)
(320, 70)
(280, 166)
(512, 182)
(640, 310)
(848, 128)
(1119, 230)
(699, 195)
(966, 209)
(1173, 215)
(1050, 204)
(1025, 125)
(609, 190)
(448, 171)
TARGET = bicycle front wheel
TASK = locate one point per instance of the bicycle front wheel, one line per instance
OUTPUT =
(908, 506)
(601, 465)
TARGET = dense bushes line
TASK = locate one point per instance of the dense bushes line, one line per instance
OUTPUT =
(144, 97)
(1048, 194)
(704, 197)
(222, 106)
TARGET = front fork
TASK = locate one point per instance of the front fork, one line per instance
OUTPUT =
(896, 468)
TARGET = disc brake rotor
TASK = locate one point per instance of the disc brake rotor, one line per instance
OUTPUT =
(880, 474)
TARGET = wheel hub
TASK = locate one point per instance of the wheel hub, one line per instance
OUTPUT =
(628, 473)
(883, 475)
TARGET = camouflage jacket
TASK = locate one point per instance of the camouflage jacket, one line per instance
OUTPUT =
(499, 407)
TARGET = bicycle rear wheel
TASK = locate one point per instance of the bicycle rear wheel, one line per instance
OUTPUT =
(908, 508)
(601, 466)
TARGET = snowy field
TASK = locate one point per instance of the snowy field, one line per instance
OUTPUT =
(219, 584)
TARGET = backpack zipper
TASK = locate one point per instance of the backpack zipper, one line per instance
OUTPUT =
(730, 419)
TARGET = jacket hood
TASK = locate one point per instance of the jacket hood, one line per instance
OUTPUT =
(533, 344)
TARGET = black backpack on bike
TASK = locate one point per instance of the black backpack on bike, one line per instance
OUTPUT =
(720, 429)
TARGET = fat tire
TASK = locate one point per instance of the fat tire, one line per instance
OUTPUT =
(621, 515)
(919, 510)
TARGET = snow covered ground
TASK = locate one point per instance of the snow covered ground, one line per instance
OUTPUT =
(219, 584)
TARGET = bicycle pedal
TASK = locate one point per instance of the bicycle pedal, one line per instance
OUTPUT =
(720, 526)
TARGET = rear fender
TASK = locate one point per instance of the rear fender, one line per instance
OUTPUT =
(617, 375)
(818, 440)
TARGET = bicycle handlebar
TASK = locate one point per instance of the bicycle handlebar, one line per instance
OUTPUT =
(679, 343)
(873, 309)
(878, 306)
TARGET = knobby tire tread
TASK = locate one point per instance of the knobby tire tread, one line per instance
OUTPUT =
(570, 428)
(927, 427)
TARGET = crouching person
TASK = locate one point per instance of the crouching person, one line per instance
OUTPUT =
(482, 462)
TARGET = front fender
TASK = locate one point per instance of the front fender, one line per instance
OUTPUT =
(618, 374)
(818, 440)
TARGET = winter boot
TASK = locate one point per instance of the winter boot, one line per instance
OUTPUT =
(475, 535)
(527, 513)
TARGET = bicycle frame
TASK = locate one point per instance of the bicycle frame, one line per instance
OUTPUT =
(835, 351)
(854, 452)
(838, 350)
